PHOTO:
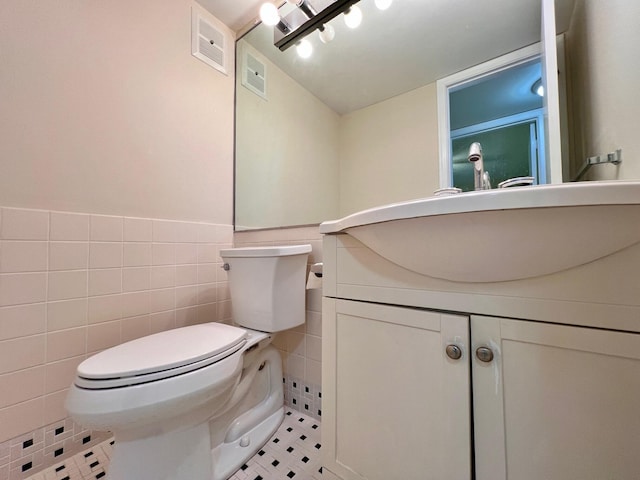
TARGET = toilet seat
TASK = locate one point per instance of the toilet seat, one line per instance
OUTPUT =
(160, 356)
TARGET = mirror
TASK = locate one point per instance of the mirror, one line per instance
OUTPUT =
(356, 124)
(506, 118)
(499, 106)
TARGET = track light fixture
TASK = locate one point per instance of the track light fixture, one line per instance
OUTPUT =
(309, 15)
(304, 6)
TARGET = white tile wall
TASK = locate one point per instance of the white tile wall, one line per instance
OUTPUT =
(19, 224)
(103, 228)
(72, 284)
(68, 255)
(22, 321)
(137, 230)
(69, 226)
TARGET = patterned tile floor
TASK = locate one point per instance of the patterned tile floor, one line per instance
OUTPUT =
(90, 464)
(292, 452)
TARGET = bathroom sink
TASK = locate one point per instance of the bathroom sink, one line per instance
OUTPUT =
(501, 235)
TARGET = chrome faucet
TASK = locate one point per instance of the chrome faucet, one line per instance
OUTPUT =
(481, 179)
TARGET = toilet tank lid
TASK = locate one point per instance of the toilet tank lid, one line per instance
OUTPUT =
(271, 251)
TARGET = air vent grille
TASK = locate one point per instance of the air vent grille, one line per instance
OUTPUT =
(208, 42)
(211, 51)
(254, 75)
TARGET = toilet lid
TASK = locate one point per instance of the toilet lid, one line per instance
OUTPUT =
(161, 355)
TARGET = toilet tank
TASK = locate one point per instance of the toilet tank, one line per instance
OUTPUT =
(267, 286)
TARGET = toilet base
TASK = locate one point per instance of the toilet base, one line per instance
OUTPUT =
(230, 456)
(188, 456)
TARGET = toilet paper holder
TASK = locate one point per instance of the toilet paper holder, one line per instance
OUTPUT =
(314, 280)
(316, 269)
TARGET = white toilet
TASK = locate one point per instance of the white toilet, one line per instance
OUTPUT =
(195, 403)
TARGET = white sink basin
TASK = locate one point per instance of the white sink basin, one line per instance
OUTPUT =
(501, 235)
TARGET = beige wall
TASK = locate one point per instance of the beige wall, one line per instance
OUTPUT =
(104, 110)
(602, 46)
(389, 151)
(287, 154)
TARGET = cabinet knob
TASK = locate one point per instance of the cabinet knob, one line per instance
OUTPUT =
(454, 352)
(484, 354)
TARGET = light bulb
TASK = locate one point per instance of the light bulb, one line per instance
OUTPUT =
(538, 88)
(327, 34)
(304, 48)
(383, 4)
(269, 14)
(353, 17)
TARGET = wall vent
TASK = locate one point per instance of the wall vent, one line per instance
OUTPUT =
(208, 42)
(254, 75)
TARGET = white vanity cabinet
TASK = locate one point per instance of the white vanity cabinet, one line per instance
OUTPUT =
(547, 385)
(394, 405)
(556, 402)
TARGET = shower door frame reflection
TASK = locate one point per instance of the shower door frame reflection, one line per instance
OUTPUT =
(535, 148)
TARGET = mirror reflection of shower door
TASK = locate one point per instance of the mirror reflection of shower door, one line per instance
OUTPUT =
(509, 151)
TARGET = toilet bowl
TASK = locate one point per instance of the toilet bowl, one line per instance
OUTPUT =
(196, 402)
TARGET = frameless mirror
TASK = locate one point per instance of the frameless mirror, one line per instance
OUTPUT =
(355, 124)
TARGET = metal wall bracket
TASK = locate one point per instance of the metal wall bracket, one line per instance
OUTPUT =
(614, 158)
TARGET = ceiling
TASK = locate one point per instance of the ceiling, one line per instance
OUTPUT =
(233, 13)
(500, 95)
(413, 43)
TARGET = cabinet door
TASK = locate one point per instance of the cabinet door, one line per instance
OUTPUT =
(555, 402)
(395, 406)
